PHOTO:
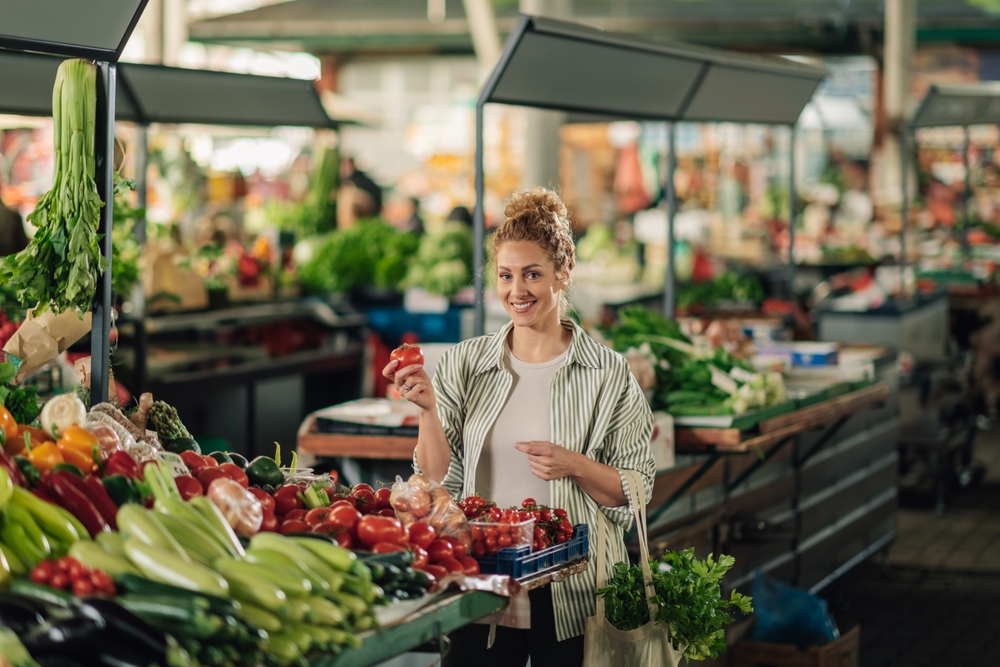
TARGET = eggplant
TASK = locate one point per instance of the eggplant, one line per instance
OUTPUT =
(19, 616)
(127, 628)
(76, 635)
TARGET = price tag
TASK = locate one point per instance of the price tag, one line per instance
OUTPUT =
(723, 381)
(741, 374)
(174, 463)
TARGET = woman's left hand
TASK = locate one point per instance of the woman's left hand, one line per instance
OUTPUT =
(549, 461)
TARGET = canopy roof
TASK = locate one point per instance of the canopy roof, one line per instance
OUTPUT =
(160, 94)
(967, 104)
(556, 65)
(75, 28)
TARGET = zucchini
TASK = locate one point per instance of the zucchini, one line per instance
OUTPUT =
(139, 526)
(299, 610)
(293, 584)
(111, 542)
(345, 638)
(299, 637)
(336, 557)
(325, 612)
(296, 551)
(284, 650)
(142, 586)
(283, 561)
(45, 594)
(165, 567)
(350, 603)
(259, 617)
(257, 591)
(93, 556)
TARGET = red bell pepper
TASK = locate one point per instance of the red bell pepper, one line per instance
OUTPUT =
(8, 463)
(121, 463)
(98, 495)
(60, 485)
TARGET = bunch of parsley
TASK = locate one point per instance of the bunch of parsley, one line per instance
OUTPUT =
(689, 597)
(22, 402)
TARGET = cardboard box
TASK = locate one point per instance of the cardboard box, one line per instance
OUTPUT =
(840, 653)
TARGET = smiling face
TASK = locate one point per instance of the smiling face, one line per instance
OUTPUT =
(528, 284)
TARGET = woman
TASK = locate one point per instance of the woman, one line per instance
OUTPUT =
(536, 410)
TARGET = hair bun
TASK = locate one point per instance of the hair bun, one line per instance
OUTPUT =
(538, 203)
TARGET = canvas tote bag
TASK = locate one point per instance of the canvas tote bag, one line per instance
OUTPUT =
(604, 644)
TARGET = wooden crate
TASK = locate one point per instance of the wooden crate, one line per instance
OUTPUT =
(840, 653)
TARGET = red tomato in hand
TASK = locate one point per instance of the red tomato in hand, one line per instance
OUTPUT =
(422, 534)
(373, 529)
(265, 498)
(294, 526)
(343, 517)
(189, 487)
(470, 564)
(382, 499)
(270, 522)
(406, 355)
(235, 473)
(420, 558)
(439, 550)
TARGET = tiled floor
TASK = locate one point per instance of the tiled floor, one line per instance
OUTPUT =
(935, 601)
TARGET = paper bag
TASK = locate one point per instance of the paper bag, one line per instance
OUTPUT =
(41, 339)
(162, 276)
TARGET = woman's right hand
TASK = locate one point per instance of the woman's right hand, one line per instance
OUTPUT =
(412, 383)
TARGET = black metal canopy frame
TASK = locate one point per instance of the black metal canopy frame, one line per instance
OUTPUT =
(548, 64)
(947, 106)
(157, 94)
(95, 31)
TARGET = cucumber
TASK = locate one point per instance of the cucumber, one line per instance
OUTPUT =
(93, 556)
(294, 584)
(257, 591)
(259, 617)
(43, 593)
(142, 586)
(17, 568)
(168, 568)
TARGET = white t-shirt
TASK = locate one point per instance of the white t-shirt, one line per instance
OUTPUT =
(503, 474)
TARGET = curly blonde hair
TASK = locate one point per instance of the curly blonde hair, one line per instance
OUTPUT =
(538, 215)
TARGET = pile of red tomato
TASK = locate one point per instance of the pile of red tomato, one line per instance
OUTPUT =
(551, 525)
(204, 471)
(68, 573)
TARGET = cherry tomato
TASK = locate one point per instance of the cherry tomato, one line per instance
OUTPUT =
(453, 566)
(546, 515)
(102, 581)
(59, 581)
(495, 514)
(386, 547)
(523, 516)
(470, 564)
(491, 544)
(504, 541)
(382, 498)
(235, 473)
(270, 522)
(365, 497)
(436, 571)
(344, 539)
(208, 475)
(566, 527)
(64, 563)
(193, 461)
(343, 517)
(41, 573)
(294, 526)
(317, 516)
(460, 550)
(478, 549)
(265, 498)
(560, 513)
(422, 534)
(188, 487)
(296, 515)
(77, 570)
(440, 549)
(406, 355)
(420, 557)
(373, 529)
(83, 588)
(528, 502)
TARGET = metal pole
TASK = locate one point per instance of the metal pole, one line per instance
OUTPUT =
(670, 202)
(966, 195)
(104, 148)
(479, 229)
(902, 212)
(141, 169)
(791, 212)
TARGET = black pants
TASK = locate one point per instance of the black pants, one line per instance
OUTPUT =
(512, 647)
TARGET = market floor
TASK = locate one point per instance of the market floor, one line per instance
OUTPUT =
(934, 601)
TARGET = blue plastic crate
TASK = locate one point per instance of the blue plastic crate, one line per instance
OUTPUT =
(392, 322)
(520, 562)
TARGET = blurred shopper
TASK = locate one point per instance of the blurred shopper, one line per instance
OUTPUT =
(349, 173)
(461, 214)
(12, 236)
(414, 223)
(360, 197)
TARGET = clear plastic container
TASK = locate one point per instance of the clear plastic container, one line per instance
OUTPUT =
(489, 537)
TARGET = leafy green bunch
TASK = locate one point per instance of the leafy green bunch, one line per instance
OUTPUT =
(727, 287)
(22, 402)
(688, 594)
(443, 264)
(371, 252)
(125, 249)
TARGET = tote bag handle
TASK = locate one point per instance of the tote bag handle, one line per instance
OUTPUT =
(638, 495)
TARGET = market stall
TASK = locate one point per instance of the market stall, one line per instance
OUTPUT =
(554, 65)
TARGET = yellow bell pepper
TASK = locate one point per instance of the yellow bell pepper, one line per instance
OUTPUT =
(77, 447)
(45, 456)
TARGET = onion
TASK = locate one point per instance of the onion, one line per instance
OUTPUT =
(241, 508)
(61, 412)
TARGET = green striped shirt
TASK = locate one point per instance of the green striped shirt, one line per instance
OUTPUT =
(596, 408)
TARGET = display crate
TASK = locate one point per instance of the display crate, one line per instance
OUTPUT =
(842, 652)
(521, 562)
